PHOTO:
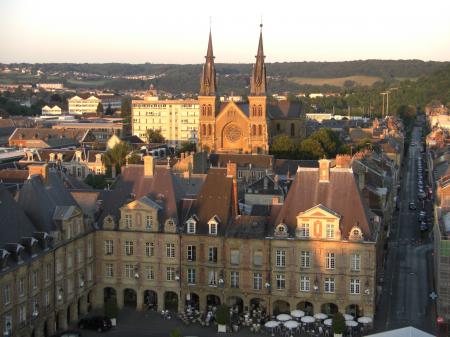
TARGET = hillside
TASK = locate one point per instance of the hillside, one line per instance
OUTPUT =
(176, 78)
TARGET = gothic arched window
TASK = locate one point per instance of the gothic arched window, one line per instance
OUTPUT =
(259, 130)
(254, 130)
(209, 110)
(259, 110)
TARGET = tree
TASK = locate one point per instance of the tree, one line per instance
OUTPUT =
(126, 110)
(223, 315)
(187, 147)
(116, 157)
(329, 141)
(282, 147)
(99, 108)
(155, 136)
(109, 110)
(96, 181)
(311, 149)
(134, 158)
(338, 323)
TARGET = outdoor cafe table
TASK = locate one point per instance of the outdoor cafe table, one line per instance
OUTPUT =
(328, 322)
(320, 316)
(365, 320)
(297, 313)
(308, 319)
(351, 323)
(284, 317)
(348, 317)
(271, 325)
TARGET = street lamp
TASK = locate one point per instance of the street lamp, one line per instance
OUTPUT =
(35, 312)
(60, 294)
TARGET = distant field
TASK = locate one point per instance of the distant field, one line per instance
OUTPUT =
(337, 81)
(96, 83)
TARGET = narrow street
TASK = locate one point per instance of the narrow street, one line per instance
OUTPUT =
(408, 274)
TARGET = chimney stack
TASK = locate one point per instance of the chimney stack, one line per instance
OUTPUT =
(40, 169)
(232, 169)
(324, 170)
(149, 166)
(343, 161)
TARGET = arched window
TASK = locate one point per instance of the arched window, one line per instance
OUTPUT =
(292, 129)
(209, 130)
(203, 110)
(259, 110)
(254, 130)
(204, 130)
(209, 110)
(259, 130)
(253, 110)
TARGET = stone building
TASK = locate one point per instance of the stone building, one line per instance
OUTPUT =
(47, 254)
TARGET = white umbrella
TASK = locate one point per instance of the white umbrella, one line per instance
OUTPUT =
(365, 320)
(284, 317)
(328, 322)
(291, 324)
(348, 317)
(351, 323)
(271, 324)
(297, 313)
(320, 316)
(308, 319)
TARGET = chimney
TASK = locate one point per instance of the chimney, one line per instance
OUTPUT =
(235, 205)
(324, 170)
(149, 166)
(232, 169)
(40, 169)
(343, 161)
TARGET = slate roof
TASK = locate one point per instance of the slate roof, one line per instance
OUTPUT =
(40, 199)
(13, 176)
(160, 188)
(340, 194)
(14, 224)
(247, 227)
(283, 166)
(285, 110)
(257, 160)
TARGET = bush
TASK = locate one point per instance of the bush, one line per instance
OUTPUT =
(338, 323)
(223, 315)
(111, 309)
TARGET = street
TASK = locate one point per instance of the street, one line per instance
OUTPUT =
(408, 273)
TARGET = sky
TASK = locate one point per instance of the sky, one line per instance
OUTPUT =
(176, 31)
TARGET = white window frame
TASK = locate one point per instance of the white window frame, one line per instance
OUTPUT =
(149, 249)
(213, 228)
(304, 230)
(280, 258)
(305, 259)
(305, 283)
(191, 227)
(234, 279)
(150, 273)
(355, 286)
(149, 222)
(191, 253)
(329, 285)
(191, 276)
(213, 254)
(170, 273)
(212, 278)
(129, 270)
(257, 281)
(280, 281)
(109, 247)
(128, 220)
(129, 248)
(355, 262)
(330, 261)
(330, 231)
(170, 250)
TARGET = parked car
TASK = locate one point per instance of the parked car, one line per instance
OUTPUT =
(412, 206)
(99, 323)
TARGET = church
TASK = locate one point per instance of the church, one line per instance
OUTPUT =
(243, 127)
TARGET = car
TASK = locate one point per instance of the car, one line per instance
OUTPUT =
(413, 144)
(412, 206)
(423, 226)
(99, 323)
(68, 333)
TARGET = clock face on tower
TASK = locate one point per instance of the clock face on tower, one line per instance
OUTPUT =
(233, 133)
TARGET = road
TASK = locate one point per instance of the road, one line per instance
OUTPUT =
(408, 278)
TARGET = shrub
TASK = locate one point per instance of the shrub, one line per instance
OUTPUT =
(223, 315)
(338, 323)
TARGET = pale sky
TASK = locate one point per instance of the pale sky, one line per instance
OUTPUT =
(176, 31)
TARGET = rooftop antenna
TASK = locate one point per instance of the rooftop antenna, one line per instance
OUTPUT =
(261, 24)
(210, 23)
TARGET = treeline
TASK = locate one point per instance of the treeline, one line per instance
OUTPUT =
(379, 68)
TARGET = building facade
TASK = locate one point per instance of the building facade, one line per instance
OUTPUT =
(176, 119)
(83, 105)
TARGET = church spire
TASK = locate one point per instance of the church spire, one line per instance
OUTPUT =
(208, 77)
(258, 81)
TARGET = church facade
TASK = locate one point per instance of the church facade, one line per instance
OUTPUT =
(230, 126)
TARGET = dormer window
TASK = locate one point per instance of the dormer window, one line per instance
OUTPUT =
(356, 234)
(191, 227)
(128, 221)
(98, 158)
(212, 228)
(330, 231)
(303, 230)
(281, 230)
(149, 222)
(52, 156)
